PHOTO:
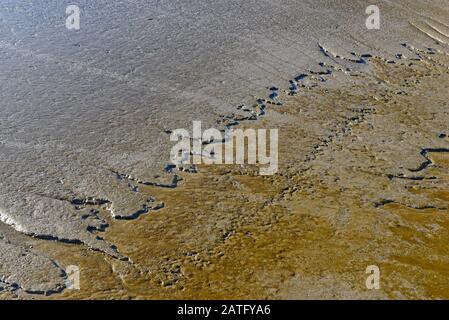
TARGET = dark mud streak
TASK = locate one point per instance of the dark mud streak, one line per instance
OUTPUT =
(425, 55)
(92, 201)
(54, 238)
(414, 178)
(424, 152)
(383, 202)
(168, 168)
(46, 237)
(176, 179)
(334, 56)
(137, 214)
(14, 287)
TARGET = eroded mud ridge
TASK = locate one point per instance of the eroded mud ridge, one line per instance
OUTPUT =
(363, 180)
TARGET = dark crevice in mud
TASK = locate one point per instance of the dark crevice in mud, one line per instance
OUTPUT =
(249, 114)
(92, 201)
(187, 168)
(101, 228)
(415, 178)
(16, 289)
(293, 88)
(424, 55)
(345, 127)
(137, 214)
(354, 58)
(175, 180)
(422, 166)
(119, 256)
(54, 238)
(325, 72)
(383, 202)
(145, 209)
(424, 152)
(168, 168)
(11, 287)
(44, 293)
(79, 203)
(252, 113)
(82, 203)
(231, 120)
(116, 254)
(93, 213)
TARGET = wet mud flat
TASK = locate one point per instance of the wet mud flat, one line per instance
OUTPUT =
(363, 180)
(86, 116)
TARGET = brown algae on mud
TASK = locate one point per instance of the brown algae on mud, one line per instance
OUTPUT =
(348, 194)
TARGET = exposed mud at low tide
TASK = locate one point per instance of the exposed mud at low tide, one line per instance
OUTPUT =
(86, 117)
(351, 191)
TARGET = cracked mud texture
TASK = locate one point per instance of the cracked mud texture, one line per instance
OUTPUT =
(84, 143)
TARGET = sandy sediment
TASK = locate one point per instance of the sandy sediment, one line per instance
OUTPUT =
(363, 180)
